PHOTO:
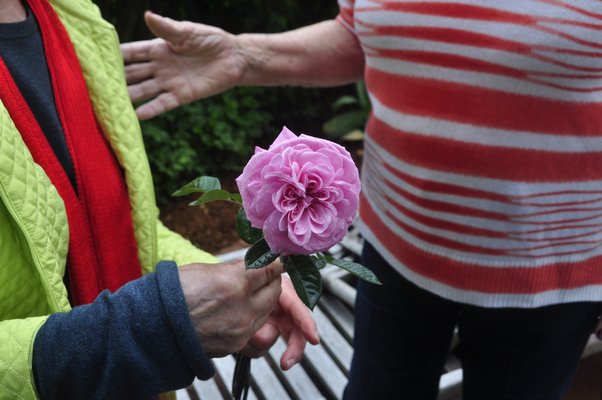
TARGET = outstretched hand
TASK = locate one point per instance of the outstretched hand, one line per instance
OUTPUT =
(187, 61)
(292, 320)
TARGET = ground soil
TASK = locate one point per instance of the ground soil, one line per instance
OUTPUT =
(212, 226)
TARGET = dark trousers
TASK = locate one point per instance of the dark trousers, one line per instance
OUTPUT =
(403, 335)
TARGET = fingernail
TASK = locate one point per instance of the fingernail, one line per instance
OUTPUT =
(290, 362)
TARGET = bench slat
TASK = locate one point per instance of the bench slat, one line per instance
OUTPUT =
(339, 314)
(265, 382)
(324, 371)
(337, 346)
(225, 368)
(207, 389)
(299, 383)
(182, 395)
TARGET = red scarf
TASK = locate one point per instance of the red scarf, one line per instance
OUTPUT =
(102, 247)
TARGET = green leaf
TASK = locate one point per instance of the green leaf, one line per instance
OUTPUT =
(319, 260)
(214, 195)
(246, 232)
(259, 255)
(356, 269)
(353, 136)
(344, 101)
(362, 94)
(306, 278)
(199, 185)
(344, 123)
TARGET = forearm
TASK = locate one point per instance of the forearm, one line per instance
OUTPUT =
(134, 343)
(323, 54)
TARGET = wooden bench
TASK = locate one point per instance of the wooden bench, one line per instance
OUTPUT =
(323, 371)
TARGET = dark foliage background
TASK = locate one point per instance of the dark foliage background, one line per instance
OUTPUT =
(216, 136)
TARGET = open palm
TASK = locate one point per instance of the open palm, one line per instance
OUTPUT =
(187, 61)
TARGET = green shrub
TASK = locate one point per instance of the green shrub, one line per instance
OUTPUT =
(217, 136)
(234, 16)
(210, 137)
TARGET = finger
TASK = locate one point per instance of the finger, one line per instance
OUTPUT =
(265, 337)
(260, 277)
(144, 90)
(134, 52)
(261, 341)
(161, 104)
(171, 30)
(294, 350)
(291, 304)
(138, 72)
(264, 301)
(252, 352)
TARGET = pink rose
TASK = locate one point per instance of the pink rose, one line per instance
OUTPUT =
(302, 191)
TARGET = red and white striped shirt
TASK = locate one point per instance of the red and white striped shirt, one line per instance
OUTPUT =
(482, 177)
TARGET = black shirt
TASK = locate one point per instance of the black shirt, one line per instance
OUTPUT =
(22, 51)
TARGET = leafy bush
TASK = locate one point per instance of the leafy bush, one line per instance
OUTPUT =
(234, 16)
(217, 136)
(352, 114)
(211, 137)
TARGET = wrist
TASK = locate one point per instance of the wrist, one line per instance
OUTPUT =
(254, 59)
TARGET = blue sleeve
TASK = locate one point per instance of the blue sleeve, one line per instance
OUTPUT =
(135, 343)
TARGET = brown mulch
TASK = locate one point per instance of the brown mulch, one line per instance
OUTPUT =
(212, 226)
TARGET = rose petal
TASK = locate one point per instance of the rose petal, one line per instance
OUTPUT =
(303, 191)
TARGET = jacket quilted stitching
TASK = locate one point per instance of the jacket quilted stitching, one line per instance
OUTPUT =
(33, 223)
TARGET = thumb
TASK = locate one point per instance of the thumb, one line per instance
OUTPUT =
(165, 28)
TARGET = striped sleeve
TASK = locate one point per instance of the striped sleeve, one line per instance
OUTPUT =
(345, 16)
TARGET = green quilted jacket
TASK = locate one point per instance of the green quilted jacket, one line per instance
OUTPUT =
(33, 223)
